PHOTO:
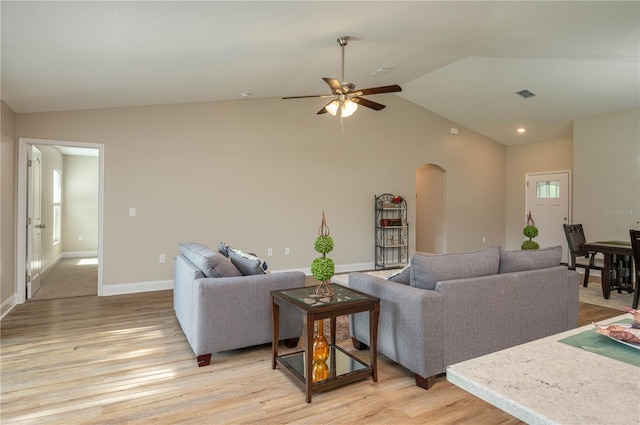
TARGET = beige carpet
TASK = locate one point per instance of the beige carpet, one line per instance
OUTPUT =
(70, 277)
(592, 294)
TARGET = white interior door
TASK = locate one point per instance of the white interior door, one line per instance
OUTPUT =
(548, 197)
(34, 222)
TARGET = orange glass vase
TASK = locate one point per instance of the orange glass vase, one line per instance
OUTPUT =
(320, 371)
(320, 345)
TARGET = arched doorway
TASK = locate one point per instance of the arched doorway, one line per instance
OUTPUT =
(431, 226)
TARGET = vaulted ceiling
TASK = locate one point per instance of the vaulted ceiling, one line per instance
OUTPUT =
(462, 60)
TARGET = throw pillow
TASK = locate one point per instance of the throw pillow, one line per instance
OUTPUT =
(401, 276)
(530, 259)
(212, 263)
(247, 264)
(223, 249)
(427, 270)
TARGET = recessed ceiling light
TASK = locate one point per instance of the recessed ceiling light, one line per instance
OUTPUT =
(245, 94)
(522, 130)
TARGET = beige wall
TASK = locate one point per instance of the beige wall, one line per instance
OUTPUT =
(80, 204)
(257, 174)
(7, 203)
(607, 174)
(430, 204)
(551, 155)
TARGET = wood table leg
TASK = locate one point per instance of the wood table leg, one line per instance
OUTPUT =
(309, 323)
(605, 276)
(333, 330)
(636, 294)
(373, 339)
(275, 320)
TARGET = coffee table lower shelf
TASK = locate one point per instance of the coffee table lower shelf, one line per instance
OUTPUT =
(344, 369)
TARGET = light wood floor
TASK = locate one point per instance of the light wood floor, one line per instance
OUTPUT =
(125, 360)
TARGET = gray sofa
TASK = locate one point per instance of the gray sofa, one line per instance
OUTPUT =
(221, 309)
(444, 309)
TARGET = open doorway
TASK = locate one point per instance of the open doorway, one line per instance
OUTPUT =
(70, 223)
(431, 226)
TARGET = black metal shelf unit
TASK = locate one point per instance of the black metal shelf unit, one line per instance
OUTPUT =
(391, 232)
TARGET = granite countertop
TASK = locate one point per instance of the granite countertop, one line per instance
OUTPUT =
(549, 382)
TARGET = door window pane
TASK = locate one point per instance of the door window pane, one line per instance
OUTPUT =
(548, 189)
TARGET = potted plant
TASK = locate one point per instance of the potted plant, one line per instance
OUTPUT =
(530, 231)
(323, 268)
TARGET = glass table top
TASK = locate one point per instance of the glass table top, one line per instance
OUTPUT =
(341, 294)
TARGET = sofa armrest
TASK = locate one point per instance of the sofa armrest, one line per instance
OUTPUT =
(235, 312)
(410, 329)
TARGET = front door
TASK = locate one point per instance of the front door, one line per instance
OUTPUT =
(34, 222)
(548, 201)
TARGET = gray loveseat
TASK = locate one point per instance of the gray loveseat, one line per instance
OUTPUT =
(444, 309)
(221, 309)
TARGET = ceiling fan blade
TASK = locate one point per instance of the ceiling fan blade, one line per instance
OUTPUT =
(379, 90)
(369, 103)
(335, 85)
(303, 97)
(323, 110)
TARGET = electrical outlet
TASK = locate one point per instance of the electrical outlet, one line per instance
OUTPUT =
(287, 251)
(132, 212)
(269, 252)
(162, 259)
(80, 238)
(484, 240)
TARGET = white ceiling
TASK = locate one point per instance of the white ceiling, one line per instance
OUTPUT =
(462, 60)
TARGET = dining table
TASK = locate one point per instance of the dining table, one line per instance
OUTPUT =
(617, 273)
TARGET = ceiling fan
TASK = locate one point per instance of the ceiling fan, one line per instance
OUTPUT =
(347, 98)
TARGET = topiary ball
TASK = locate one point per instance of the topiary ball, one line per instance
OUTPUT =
(530, 231)
(324, 244)
(530, 245)
(322, 268)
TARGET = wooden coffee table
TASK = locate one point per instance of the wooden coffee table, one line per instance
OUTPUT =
(344, 368)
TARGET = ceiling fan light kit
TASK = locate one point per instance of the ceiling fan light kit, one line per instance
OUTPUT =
(346, 107)
(347, 98)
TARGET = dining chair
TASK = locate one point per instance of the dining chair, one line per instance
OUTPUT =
(579, 258)
(635, 247)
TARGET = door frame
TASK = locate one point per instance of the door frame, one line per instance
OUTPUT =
(24, 145)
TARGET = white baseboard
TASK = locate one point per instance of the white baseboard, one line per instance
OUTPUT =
(7, 305)
(79, 254)
(162, 285)
(134, 288)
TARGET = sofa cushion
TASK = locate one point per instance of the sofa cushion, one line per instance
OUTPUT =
(517, 261)
(427, 270)
(402, 275)
(248, 264)
(212, 263)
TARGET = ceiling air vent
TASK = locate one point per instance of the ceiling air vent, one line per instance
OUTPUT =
(525, 93)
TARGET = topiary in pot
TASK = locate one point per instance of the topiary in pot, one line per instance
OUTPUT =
(322, 268)
(530, 231)
(530, 245)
